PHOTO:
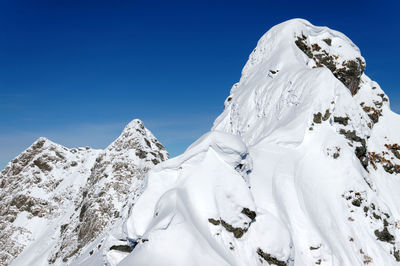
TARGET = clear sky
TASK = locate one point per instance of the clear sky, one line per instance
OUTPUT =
(77, 71)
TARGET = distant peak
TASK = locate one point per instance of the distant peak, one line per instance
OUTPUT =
(40, 142)
(42, 139)
(135, 135)
(134, 129)
(134, 124)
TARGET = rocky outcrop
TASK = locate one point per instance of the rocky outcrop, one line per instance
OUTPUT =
(348, 71)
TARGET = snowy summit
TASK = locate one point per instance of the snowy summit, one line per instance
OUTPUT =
(58, 202)
(301, 168)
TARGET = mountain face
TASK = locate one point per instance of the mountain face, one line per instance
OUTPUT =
(301, 168)
(56, 201)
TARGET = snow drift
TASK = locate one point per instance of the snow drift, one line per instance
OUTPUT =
(301, 168)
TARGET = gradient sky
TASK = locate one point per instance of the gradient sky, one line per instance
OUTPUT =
(77, 71)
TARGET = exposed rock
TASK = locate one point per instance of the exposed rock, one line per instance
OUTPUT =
(237, 231)
(384, 235)
(396, 254)
(122, 248)
(301, 42)
(341, 120)
(269, 258)
(326, 115)
(249, 213)
(360, 151)
(395, 148)
(214, 222)
(348, 72)
(318, 118)
(388, 165)
(373, 113)
(328, 41)
(356, 202)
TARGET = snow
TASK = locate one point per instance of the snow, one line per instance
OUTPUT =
(315, 202)
(301, 168)
(52, 195)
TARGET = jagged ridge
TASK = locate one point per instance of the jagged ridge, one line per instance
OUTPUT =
(77, 193)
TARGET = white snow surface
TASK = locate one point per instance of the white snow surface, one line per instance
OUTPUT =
(273, 182)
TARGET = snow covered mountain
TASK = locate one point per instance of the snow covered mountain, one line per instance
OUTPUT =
(59, 202)
(301, 168)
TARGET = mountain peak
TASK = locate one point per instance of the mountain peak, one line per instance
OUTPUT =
(134, 124)
(42, 141)
(138, 138)
(300, 168)
(296, 70)
(298, 43)
(77, 193)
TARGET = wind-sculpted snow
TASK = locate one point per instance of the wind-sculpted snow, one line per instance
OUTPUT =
(301, 168)
(198, 209)
(56, 202)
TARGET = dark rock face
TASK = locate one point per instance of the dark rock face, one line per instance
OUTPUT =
(360, 151)
(237, 232)
(42, 165)
(388, 162)
(348, 72)
(301, 42)
(249, 213)
(373, 113)
(214, 222)
(35, 206)
(341, 120)
(357, 202)
(269, 258)
(328, 41)
(122, 248)
(394, 148)
(317, 118)
(374, 109)
(384, 235)
(396, 254)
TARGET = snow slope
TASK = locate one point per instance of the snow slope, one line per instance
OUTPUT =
(301, 168)
(57, 201)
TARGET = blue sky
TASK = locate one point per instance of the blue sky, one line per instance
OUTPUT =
(78, 71)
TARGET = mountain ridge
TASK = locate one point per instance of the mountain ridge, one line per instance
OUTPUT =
(77, 192)
(307, 144)
(301, 168)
